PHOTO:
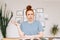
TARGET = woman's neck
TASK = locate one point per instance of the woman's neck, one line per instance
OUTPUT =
(31, 21)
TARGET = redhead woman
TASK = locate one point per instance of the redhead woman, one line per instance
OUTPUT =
(31, 28)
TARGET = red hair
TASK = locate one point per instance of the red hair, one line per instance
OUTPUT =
(29, 8)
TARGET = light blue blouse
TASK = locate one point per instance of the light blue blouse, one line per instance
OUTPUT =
(31, 28)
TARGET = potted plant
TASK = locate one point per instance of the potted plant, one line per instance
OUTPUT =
(54, 30)
(4, 20)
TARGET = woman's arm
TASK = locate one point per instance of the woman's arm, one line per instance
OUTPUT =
(39, 35)
(19, 30)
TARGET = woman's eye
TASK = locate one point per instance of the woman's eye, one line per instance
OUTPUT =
(28, 14)
(31, 14)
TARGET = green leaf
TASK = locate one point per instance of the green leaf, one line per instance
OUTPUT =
(4, 22)
(54, 29)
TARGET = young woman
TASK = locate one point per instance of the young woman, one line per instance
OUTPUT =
(31, 28)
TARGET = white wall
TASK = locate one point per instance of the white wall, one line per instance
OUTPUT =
(52, 9)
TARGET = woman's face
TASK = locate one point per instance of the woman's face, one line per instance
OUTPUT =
(30, 15)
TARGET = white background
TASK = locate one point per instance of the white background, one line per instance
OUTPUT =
(51, 8)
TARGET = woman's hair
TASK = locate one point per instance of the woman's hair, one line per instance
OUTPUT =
(29, 8)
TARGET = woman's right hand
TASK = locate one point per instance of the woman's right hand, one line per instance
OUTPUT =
(14, 22)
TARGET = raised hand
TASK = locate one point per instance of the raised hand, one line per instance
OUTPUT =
(14, 22)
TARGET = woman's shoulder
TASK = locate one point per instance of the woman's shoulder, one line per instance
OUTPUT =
(37, 21)
(24, 22)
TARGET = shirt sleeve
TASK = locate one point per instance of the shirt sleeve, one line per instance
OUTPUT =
(40, 27)
(21, 26)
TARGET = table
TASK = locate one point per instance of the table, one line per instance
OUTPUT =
(51, 38)
(15, 39)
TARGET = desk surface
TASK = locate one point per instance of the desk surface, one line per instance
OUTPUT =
(14, 38)
(29, 38)
(52, 37)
